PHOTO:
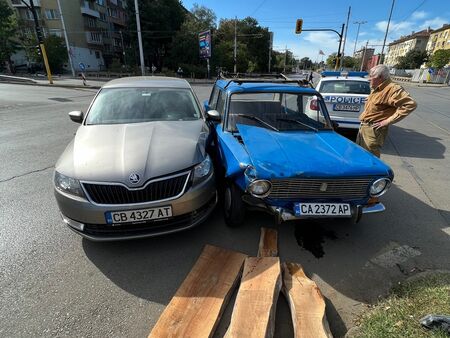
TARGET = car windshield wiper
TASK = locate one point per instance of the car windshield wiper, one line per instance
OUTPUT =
(254, 118)
(298, 122)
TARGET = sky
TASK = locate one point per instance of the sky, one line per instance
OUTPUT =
(280, 17)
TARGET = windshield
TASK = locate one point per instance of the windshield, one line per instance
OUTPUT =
(345, 87)
(133, 105)
(277, 111)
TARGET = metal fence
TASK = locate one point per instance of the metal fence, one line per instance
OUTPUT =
(441, 76)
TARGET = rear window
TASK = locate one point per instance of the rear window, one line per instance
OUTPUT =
(345, 87)
(134, 105)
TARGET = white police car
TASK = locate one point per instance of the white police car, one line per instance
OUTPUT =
(345, 94)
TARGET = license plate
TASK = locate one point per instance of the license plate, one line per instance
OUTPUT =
(322, 209)
(141, 215)
(346, 107)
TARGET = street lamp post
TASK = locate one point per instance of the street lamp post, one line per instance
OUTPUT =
(359, 23)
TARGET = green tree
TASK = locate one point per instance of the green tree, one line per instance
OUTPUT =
(331, 60)
(55, 49)
(8, 27)
(413, 59)
(349, 62)
(305, 63)
(440, 58)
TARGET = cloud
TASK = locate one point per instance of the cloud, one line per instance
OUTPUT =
(418, 15)
(433, 23)
(322, 39)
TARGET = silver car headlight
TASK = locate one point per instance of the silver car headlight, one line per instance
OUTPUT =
(203, 169)
(379, 187)
(260, 188)
(67, 184)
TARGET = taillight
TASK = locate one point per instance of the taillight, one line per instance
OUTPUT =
(313, 105)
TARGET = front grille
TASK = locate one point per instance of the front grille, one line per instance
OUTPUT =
(119, 194)
(320, 188)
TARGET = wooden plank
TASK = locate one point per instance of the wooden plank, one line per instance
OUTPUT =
(198, 304)
(255, 306)
(306, 302)
(268, 246)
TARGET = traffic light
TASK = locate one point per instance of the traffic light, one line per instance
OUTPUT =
(298, 26)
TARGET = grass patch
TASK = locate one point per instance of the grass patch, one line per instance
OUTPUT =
(399, 314)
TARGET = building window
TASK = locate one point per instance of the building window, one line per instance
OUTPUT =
(112, 12)
(51, 14)
(56, 32)
(91, 22)
(97, 54)
(96, 37)
(100, 2)
(29, 16)
(102, 16)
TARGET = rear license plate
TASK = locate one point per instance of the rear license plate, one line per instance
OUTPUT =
(346, 107)
(132, 216)
(322, 209)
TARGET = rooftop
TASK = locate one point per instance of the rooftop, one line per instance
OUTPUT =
(422, 33)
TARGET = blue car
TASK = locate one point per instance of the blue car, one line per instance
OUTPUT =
(277, 151)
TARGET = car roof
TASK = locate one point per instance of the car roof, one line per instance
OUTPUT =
(344, 78)
(236, 86)
(147, 81)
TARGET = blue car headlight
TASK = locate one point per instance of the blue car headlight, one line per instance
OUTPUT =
(68, 185)
(259, 188)
(379, 187)
(203, 168)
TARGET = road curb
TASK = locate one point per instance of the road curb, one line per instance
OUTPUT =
(50, 85)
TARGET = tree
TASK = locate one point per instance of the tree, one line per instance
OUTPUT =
(413, 59)
(55, 49)
(8, 27)
(440, 58)
(305, 63)
(331, 60)
(349, 62)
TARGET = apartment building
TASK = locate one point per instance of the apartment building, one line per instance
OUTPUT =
(93, 28)
(414, 41)
(439, 39)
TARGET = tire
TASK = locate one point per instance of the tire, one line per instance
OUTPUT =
(233, 206)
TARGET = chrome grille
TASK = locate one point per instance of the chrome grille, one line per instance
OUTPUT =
(320, 188)
(153, 191)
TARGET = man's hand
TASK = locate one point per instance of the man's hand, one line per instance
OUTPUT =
(380, 124)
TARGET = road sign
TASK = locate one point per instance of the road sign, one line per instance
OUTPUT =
(82, 66)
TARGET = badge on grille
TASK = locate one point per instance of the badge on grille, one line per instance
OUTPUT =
(323, 187)
(134, 178)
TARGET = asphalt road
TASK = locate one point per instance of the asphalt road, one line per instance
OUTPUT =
(53, 283)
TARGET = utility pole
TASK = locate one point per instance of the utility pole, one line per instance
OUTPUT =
(359, 23)
(138, 25)
(40, 39)
(339, 48)
(235, 44)
(123, 48)
(387, 30)
(364, 56)
(345, 35)
(66, 39)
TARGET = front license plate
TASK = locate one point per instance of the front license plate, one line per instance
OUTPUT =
(322, 209)
(131, 216)
(346, 107)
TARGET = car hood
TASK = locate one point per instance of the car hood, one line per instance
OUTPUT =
(111, 153)
(307, 154)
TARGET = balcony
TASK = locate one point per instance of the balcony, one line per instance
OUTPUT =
(90, 12)
(19, 3)
(94, 38)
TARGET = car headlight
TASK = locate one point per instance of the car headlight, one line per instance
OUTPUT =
(379, 187)
(203, 169)
(260, 188)
(67, 184)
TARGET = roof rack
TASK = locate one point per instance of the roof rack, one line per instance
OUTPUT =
(241, 78)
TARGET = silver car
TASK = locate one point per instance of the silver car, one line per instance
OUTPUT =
(138, 165)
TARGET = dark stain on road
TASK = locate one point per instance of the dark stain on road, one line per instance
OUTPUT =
(311, 235)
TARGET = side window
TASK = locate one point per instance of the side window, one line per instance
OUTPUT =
(221, 102)
(213, 99)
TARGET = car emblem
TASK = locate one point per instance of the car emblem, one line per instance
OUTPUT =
(323, 187)
(134, 178)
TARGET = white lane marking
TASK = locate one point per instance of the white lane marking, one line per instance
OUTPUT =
(446, 230)
(395, 256)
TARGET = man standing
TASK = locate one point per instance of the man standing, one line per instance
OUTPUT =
(388, 103)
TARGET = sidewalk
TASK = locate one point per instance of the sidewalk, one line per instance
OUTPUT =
(70, 82)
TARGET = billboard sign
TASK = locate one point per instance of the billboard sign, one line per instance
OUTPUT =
(204, 43)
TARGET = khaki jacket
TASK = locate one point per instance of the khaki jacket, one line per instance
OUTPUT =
(388, 101)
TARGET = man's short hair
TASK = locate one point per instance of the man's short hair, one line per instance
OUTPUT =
(380, 71)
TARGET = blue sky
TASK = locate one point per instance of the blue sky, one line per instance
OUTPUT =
(280, 16)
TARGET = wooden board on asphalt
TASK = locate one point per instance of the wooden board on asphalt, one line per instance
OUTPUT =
(306, 303)
(197, 306)
(255, 306)
(268, 243)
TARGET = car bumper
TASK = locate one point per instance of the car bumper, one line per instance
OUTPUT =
(346, 122)
(89, 221)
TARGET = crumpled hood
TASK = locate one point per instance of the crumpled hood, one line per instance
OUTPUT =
(110, 153)
(307, 154)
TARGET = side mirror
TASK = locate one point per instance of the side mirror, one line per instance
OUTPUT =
(76, 116)
(213, 115)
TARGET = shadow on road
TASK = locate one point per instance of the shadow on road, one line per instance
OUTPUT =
(154, 268)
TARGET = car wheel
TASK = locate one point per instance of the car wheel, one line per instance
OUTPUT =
(233, 206)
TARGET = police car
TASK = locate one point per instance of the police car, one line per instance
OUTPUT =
(345, 94)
